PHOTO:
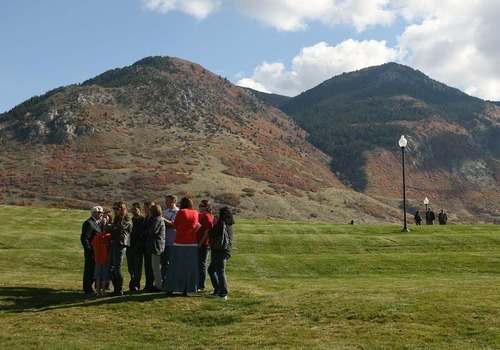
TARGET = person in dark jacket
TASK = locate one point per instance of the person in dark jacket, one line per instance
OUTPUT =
(217, 267)
(442, 217)
(135, 252)
(120, 230)
(90, 228)
(429, 217)
(418, 218)
(146, 228)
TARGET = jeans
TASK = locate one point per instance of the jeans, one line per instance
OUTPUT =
(202, 265)
(217, 272)
(116, 253)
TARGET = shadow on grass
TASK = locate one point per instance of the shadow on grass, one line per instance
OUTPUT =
(29, 299)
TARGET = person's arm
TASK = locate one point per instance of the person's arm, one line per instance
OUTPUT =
(85, 237)
(203, 238)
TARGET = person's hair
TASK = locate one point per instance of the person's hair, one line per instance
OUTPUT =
(149, 204)
(172, 197)
(123, 213)
(226, 216)
(206, 203)
(147, 207)
(156, 210)
(186, 203)
(136, 205)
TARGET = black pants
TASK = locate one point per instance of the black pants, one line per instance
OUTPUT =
(134, 264)
(148, 271)
(88, 272)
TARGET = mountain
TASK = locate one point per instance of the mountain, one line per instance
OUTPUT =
(166, 125)
(453, 151)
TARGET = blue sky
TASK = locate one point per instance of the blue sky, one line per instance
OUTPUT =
(279, 46)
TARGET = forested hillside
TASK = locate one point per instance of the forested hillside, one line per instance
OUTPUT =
(359, 111)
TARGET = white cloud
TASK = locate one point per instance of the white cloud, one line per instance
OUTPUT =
(456, 43)
(318, 63)
(294, 15)
(249, 83)
(453, 41)
(197, 8)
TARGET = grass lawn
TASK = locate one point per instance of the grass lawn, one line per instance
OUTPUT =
(292, 285)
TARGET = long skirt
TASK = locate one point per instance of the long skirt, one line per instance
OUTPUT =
(182, 273)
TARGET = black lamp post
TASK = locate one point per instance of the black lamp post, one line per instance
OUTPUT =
(402, 144)
(426, 203)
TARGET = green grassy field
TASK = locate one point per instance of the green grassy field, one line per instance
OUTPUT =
(292, 285)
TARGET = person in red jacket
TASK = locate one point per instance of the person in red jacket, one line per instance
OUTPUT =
(206, 222)
(100, 242)
(182, 272)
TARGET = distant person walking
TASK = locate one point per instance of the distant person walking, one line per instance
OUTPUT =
(429, 217)
(418, 218)
(442, 217)
(90, 228)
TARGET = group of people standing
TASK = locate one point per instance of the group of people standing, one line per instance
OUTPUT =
(430, 217)
(171, 246)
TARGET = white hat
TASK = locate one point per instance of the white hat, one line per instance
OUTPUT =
(96, 209)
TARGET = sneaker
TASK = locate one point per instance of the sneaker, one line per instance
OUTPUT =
(213, 293)
(220, 297)
(200, 290)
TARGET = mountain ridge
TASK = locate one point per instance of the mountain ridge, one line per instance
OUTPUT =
(164, 124)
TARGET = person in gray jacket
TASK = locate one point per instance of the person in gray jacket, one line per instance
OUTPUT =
(157, 245)
(120, 230)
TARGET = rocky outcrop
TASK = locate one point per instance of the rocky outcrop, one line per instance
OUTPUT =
(53, 127)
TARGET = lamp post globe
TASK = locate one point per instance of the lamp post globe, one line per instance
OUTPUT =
(426, 203)
(402, 143)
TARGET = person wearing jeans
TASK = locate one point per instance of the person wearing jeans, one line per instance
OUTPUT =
(206, 222)
(120, 230)
(217, 273)
(219, 257)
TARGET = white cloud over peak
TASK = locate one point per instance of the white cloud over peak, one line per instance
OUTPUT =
(457, 43)
(453, 41)
(317, 63)
(197, 8)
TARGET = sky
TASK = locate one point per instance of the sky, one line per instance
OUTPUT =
(277, 46)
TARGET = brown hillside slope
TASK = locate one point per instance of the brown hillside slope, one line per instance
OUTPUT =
(180, 130)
